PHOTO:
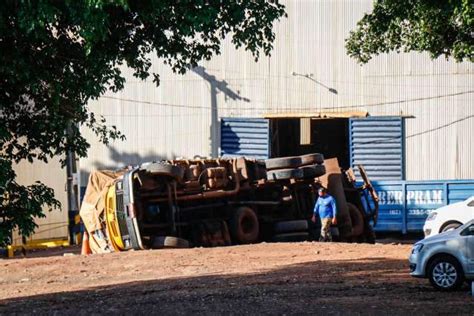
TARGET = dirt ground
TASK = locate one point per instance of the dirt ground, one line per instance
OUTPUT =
(285, 278)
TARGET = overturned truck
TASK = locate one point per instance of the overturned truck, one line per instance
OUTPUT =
(212, 202)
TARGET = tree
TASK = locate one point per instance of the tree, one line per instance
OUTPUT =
(20, 204)
(437, 27)
(56, 56)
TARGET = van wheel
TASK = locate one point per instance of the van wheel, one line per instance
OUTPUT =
(244, 226)
(445, 273)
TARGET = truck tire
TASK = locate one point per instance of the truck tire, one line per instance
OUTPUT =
(164, 169)
(244, 226)
(291, 237)
(290, 226)
(283, 163)
(161, 242)
(313, 171)
(285, 174)
(312, 159)
(357, 220)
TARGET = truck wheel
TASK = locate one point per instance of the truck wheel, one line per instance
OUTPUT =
(312, 159)
(313, 171)
(445, 273)
(244, 226)
(290, 226)
(161, 242)
(283, 163)
(163, 169)
(285, 174)
(291, 237)
(357, 220)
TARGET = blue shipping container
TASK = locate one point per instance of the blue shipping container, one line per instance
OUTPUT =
(378, 144)
(247, 137)
(404, 205)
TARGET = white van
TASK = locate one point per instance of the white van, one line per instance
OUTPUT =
(449, 217)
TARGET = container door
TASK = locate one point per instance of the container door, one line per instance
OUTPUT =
(248, 137)
(378, 144)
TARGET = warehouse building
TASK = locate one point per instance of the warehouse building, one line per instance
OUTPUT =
(404, 116)
(232, 105)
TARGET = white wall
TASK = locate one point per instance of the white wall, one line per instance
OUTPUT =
(55, 224)
(175, 118)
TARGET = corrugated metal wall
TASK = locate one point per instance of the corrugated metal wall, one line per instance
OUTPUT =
(377, 144)
(55, 224)
(181, 116)
(245, 137)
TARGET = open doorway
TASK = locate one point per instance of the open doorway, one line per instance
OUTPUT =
(299, 136)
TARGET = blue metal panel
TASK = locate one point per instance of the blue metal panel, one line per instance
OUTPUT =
(459, 191)
(391, 206)
(377, 143)
(247, 137)
(422, 198)
(404, 205)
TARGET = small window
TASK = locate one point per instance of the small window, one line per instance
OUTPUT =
(471, 204)
(468, 231)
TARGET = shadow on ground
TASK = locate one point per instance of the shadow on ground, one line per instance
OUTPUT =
(365, 286)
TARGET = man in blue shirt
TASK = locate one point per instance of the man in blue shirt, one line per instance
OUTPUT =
(325, 207)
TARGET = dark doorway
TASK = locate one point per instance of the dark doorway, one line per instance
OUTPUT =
(327, 136)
